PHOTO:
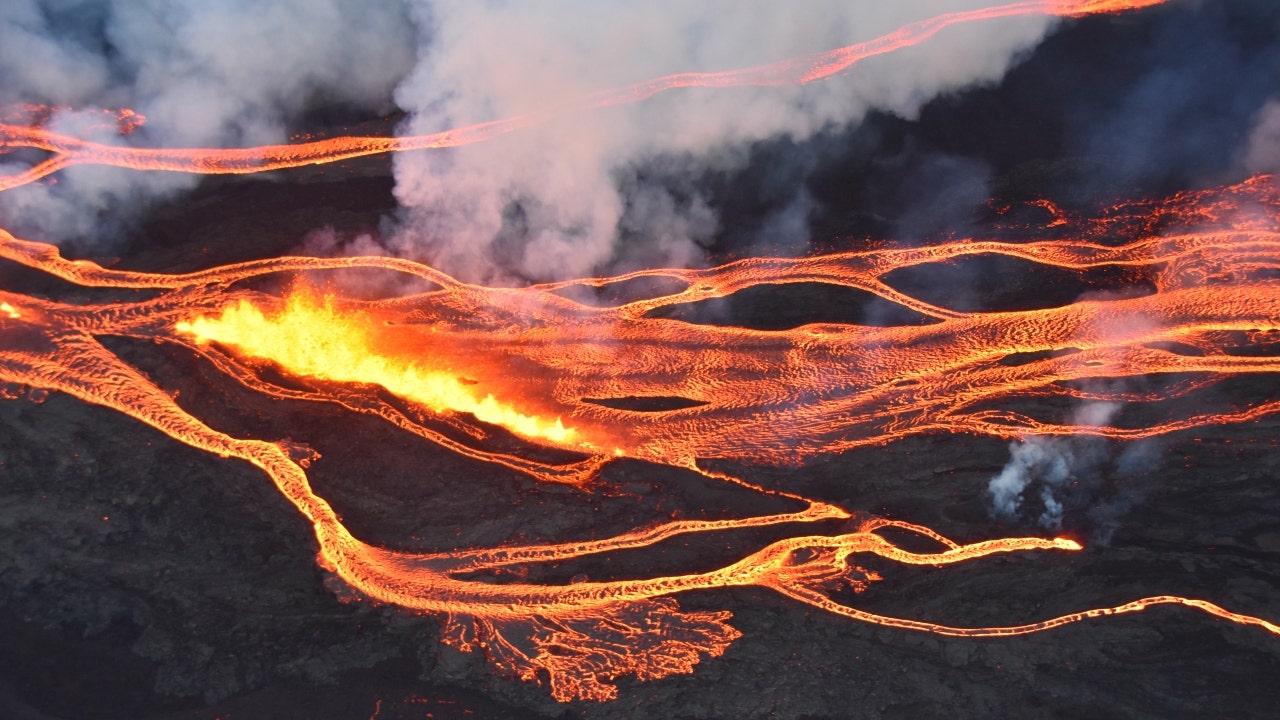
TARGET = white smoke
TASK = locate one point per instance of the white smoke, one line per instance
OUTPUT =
(1045, 460)
(204, 74)
(545, 203)
(1049, 464)
(551, 201)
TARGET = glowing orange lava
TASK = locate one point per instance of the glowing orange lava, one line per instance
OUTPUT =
(754, 396)
(66, 150)
(770, 396)
(314, 338)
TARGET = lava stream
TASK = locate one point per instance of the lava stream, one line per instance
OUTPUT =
(782, 397)
(766, 397)
(66, 151)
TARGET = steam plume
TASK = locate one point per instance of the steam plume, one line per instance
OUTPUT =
(218, 74)
(546, 203)
(1048, 464)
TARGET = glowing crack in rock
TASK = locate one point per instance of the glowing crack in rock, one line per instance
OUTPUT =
(765, 397)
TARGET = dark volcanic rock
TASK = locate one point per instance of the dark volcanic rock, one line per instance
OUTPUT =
(178, 579)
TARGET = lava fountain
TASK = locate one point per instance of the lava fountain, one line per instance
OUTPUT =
(764, 397)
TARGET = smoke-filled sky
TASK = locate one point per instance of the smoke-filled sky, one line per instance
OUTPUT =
(587, 192)
(546, 203)
(220, 73)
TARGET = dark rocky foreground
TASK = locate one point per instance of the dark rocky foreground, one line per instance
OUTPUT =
(145, 580)
(141, 579)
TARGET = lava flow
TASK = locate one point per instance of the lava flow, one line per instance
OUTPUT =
(762, 396)
(779, 397)
(66, 151)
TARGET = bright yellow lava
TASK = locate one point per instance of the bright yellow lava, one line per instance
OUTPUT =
(313, 339)
(10, 310)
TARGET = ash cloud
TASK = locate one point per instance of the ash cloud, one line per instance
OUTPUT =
(205, 74)
(550, 202)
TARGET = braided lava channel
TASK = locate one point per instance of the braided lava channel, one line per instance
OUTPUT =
(772, 397)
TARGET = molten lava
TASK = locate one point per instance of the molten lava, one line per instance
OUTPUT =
(753, 396)
(67, 151)
(770, 396)
(316, 339)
